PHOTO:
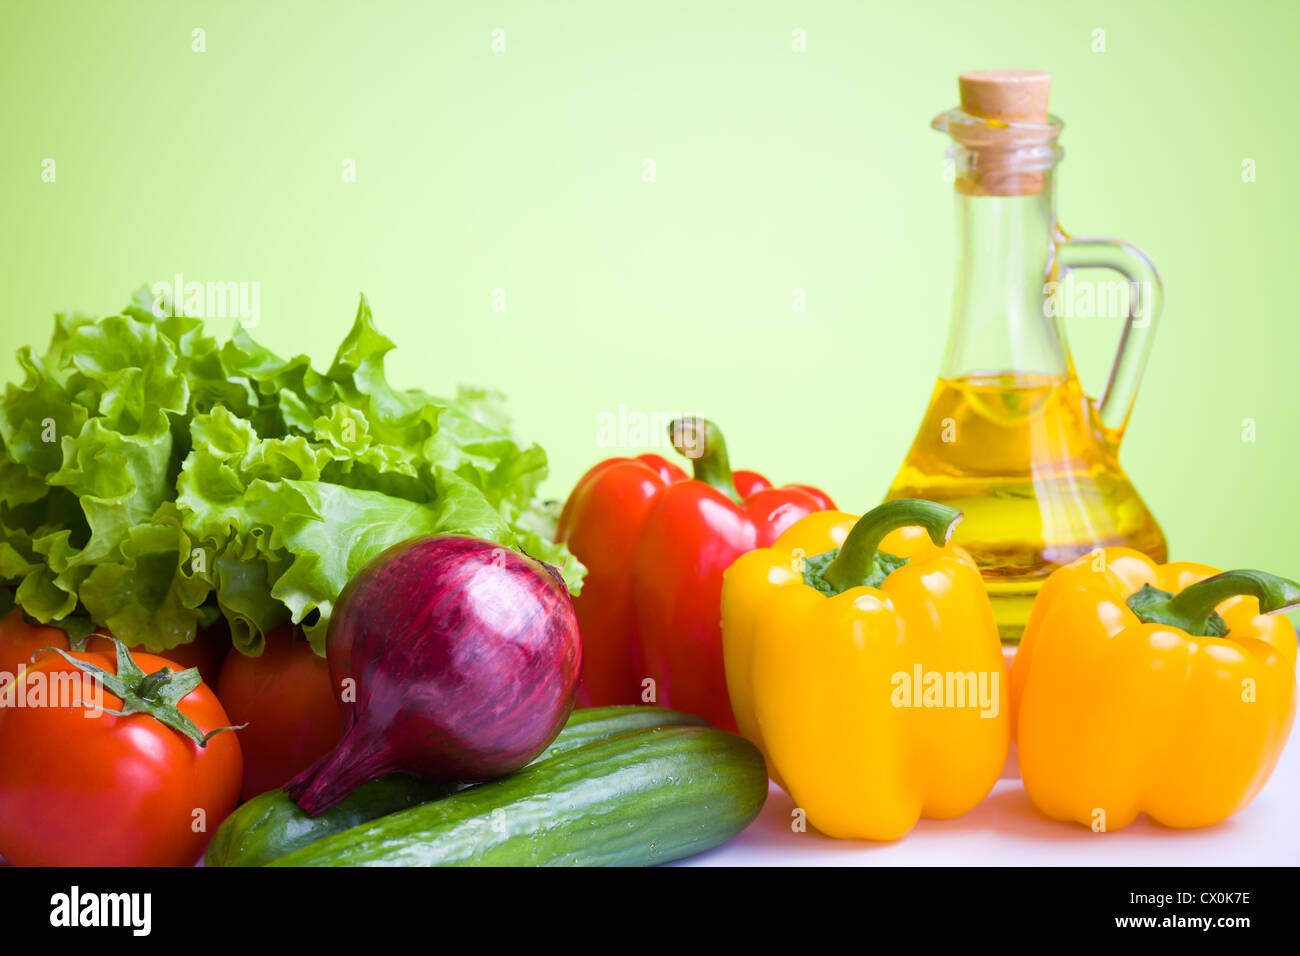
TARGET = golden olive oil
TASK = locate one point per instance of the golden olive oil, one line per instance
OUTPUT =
(1028, 461)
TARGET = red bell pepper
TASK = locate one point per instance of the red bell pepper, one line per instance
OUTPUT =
(655, 544)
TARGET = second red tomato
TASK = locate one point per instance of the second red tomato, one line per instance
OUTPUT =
(286, 699)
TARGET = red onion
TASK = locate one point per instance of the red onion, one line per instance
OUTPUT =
(465, 657)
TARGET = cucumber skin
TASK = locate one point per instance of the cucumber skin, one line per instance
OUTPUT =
(271, 824)
(640, 798)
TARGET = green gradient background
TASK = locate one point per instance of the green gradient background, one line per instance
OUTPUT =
(775, 170)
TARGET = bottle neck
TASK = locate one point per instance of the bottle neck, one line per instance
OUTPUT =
(1000, 324)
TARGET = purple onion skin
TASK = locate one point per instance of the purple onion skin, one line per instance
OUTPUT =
(466, 657)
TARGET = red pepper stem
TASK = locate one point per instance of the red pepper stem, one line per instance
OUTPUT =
(701, 441)
(852, 566)
(1191, 608)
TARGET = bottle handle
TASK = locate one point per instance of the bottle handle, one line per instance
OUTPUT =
(1146, 299)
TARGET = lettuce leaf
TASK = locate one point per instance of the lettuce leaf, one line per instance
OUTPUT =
(151, 479)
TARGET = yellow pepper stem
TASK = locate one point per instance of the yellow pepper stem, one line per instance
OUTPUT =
(859, 555)
(1192, 609)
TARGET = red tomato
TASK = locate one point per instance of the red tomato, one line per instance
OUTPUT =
(20, 640)
(288, 702)
(83, 790)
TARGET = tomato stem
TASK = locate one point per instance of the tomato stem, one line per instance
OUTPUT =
(158, 694)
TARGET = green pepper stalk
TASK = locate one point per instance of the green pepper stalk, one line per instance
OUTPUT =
(860, 562)
(1192, 609)
(701, 441)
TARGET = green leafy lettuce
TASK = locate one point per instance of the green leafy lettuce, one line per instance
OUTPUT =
(151, 479)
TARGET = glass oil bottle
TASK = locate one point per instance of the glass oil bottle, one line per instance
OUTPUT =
(1009, 436)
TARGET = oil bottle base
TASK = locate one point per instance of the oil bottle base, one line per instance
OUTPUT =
(1011, 605)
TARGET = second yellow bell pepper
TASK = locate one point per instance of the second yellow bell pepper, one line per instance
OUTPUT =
(872, 680)
(1165, 689)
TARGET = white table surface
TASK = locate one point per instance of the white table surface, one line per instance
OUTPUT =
(1007, 830)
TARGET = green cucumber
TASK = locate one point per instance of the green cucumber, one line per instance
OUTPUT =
(271, 824)
(643, 797)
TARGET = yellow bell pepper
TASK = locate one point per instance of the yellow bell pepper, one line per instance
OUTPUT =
(1164, 689)
(875, 688)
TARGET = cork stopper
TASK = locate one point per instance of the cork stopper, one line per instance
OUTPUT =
(1006, 131)
(1006, 96)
